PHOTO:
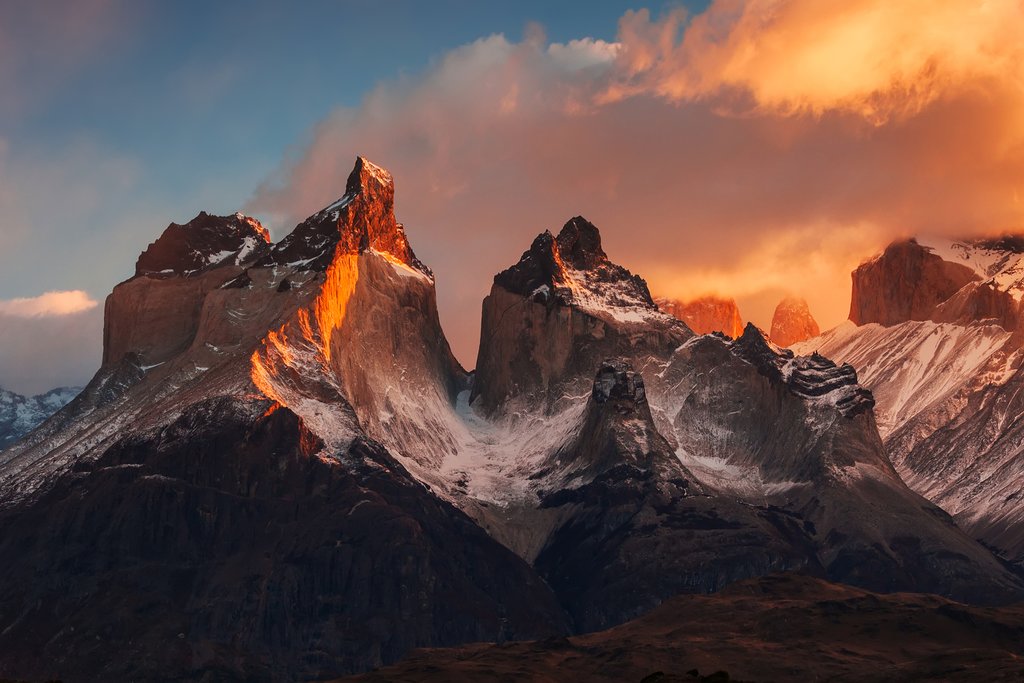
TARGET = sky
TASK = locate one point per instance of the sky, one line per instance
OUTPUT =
(751, 149)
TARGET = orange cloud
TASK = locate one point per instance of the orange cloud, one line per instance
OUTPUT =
(874, 57)
(860, 143)
(48, 305)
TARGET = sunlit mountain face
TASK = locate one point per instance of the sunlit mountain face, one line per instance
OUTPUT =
(706, 365)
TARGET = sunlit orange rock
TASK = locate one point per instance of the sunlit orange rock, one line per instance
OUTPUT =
(706, 314)
(793, 322)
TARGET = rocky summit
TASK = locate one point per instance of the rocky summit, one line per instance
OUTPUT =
(280, 472)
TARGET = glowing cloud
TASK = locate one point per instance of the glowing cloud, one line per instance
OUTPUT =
(48, 305)
(873, 57)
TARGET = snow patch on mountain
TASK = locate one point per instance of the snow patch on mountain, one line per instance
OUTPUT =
(914, 365)
(998, 261)
(21, 414)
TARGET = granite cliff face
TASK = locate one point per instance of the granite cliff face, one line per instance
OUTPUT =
(281, 469)
(551, 318)
(780, 450)
(706, 314)
(792, 322)
(906, 282)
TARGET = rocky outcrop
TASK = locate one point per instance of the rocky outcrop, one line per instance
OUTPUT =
(947, 386)
(363, 219)
(706, 314)
(906, 282)
(295, 475)
(156, 314)
(979, 302)
(624, 496)
(555, 315)
(203, 243)
(792, 322)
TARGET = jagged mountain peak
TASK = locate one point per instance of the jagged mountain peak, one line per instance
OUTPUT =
(810, 377)
(203, 243)
(361, 220)
(572, 269)
(617, 431)
(579, 244)
(368, 177)
(905, 282)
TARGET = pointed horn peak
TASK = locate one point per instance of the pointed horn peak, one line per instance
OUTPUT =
(366, 176)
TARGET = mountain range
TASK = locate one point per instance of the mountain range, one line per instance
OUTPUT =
(281, 472)
(21, 414)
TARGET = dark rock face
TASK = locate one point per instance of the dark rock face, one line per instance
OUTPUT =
(265, 468)
(221, 548)
(808, 377)
(361, 220)
(906, 282)
(811, 440)
(549, 261)
(204, 242)
(628, 500)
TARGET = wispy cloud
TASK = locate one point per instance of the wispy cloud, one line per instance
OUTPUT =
(47, 305)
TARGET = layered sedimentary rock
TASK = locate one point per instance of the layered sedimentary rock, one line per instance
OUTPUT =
(793, 438)
(551, 318)
(156, 313)
(219, 478)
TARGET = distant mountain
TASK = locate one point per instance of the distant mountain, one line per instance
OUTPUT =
(706, 314)
(21, 414)
(792, 323)
(280, 471)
